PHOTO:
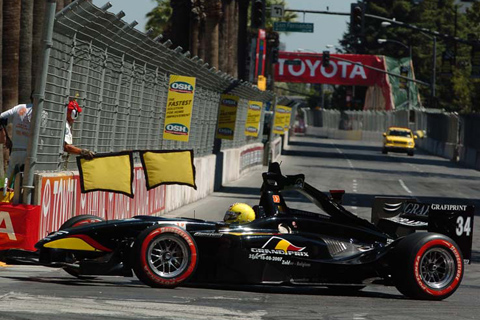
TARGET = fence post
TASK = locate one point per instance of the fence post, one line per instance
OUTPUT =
(38, 99)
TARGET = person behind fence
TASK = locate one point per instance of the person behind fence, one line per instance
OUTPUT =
(20, 117)
(73, 111)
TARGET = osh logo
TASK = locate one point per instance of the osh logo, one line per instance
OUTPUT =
(177, 129)
(255, 107)
(181, 87)
(229, 102)
(279, 128)
(280, 246)
(225, 131)
(252, 129)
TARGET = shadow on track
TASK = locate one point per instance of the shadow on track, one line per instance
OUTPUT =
(410, 173)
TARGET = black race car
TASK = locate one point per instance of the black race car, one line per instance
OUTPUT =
(334, 248)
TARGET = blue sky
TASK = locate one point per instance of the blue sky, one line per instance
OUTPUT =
(328, 29)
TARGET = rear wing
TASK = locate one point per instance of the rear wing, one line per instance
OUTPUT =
(399, 216)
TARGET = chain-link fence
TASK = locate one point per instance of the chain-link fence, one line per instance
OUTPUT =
(121, 77)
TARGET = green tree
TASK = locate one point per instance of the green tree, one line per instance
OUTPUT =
(435, 15)
(158, 18)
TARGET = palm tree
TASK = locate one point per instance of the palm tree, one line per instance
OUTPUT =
(38, 19)
(213, 10)
(11, 48)
(242, 41)
(60, 5)
(25, 72)
(2, 171)
(158, 18)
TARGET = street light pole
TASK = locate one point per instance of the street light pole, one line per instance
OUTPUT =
(434, 65)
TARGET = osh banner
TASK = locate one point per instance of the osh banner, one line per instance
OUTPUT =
(308, 68)
(281, 114)
(288, 118)
(227, 116)
(178, 116)
(252, 125)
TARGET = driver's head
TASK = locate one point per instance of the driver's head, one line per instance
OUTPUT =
(239, 213)
(73, 111)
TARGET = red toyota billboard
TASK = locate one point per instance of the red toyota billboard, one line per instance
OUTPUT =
(343, 69)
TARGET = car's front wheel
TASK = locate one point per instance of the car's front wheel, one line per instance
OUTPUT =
(164, 256)
(427, 266)
(74, 222)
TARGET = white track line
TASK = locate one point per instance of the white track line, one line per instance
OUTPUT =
(404, 186)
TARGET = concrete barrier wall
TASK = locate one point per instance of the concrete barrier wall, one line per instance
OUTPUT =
(238, 161)
(467, 156)
(275, 149)
(177, 196)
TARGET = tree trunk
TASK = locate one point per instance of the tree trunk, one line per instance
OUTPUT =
(180, 23)
(11, 49)
(25, 73)
(223, 36)
(2, 168)
(196, 17)
(38, 21)
(60, 5)
(214, 13)
(242, 53)
(232, 40)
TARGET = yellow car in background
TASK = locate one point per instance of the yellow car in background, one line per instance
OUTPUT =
(399, 139)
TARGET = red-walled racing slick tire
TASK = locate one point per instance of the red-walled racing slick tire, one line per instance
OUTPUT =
(76, 222)
(427, 266)
(164, 256)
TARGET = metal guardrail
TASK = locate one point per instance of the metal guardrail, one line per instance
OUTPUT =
(121, 76)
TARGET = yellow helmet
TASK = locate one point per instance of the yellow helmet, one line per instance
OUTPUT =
(240, 213)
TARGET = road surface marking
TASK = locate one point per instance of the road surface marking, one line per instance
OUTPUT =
(404, 186)
(343, 154)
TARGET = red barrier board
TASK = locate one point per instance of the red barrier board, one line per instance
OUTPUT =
(307, 68)
(61, 199)
(19, 226)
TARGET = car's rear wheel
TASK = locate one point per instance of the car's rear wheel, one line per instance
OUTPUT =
(427, 266)
(76, 222)
(410, 153)
(164, 256)
(384, 151)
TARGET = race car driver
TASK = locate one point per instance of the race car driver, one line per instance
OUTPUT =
(239, 213)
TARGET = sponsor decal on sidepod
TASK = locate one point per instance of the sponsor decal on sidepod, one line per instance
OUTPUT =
(280, 246)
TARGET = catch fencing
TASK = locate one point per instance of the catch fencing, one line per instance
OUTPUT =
(121, 78)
